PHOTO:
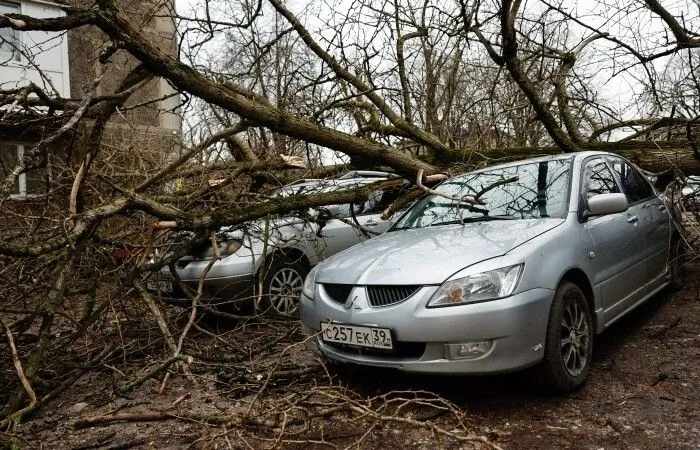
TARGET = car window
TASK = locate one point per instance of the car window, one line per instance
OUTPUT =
(377, 202)
(373, 203)
(597, 179)
(343, 211)
(634, 185)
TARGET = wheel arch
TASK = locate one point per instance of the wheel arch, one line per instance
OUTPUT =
(580, 279)
(293, 254)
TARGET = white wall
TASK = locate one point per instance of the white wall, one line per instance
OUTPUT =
(47, 50)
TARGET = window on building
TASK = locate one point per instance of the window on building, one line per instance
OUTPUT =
(9, 38)
(30, 183)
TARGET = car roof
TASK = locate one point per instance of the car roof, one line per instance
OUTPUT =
(558, 156)
(307, 186)
(367, 174)
(519, 162)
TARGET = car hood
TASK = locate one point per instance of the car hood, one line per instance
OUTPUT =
(428, 255)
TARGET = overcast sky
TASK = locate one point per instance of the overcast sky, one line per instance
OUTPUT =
(619, 92)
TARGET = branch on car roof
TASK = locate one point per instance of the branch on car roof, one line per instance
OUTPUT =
(237, 214)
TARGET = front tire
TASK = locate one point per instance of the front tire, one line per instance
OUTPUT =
(569, 341)
(282, 284)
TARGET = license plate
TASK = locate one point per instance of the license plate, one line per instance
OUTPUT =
(372, 337)
(160, 286)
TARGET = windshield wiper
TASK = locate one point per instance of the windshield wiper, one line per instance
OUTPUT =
(473, 220)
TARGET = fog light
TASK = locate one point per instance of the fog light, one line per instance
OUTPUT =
(467, 350)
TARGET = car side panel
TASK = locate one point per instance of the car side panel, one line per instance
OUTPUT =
(658, 238)
(550, 256)
(619, 258)
(337, 235)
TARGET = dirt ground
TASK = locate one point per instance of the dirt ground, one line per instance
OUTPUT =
(643, 392)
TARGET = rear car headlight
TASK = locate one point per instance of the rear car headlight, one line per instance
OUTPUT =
(478, 287)
(310, 284)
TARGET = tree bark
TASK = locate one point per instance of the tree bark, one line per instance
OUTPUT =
(649, 155)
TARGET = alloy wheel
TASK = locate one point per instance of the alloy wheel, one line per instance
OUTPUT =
(574, 341)
(284, 290)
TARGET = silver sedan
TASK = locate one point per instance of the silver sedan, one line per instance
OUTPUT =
(268, 259)
(509, 267)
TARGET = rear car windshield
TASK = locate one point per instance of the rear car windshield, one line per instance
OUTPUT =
(525, 191)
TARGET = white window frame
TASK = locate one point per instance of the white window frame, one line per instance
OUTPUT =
(20, 61)
(16, 56)
(22, 178)
(21, 186)
(21, 191)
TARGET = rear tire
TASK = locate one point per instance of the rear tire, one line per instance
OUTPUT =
(282, 285)
(569, 342)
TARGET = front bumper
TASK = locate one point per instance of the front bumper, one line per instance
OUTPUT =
(515, 325)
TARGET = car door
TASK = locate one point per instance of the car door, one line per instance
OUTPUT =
(653, 216)
(337, 233)
(618, 243)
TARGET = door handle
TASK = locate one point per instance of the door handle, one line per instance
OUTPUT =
(371, 223)
(632, 219)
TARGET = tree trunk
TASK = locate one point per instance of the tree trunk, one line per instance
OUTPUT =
(651, 156)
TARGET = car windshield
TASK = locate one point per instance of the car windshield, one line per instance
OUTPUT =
(532, 190)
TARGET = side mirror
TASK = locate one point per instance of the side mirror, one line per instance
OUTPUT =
(601, 204)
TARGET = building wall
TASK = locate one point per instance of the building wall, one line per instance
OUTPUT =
(86, 44)
(69, 64)
(142, 134)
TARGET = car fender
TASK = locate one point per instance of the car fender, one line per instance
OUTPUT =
(549, 256)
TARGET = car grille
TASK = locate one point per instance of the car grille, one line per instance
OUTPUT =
(377, 295)
(389, 295)
(338, 292)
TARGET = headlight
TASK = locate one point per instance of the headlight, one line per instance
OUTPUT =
(482, 286)
(310, 284)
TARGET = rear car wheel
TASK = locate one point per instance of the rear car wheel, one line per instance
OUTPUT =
(282, 285)
(569, 342)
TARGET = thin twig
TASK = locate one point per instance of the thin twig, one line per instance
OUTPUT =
(12, 420)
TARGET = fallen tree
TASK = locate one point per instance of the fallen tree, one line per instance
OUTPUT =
(652, 156)
(463, 85)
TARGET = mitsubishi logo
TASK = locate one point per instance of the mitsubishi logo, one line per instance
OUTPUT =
(358, 301)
